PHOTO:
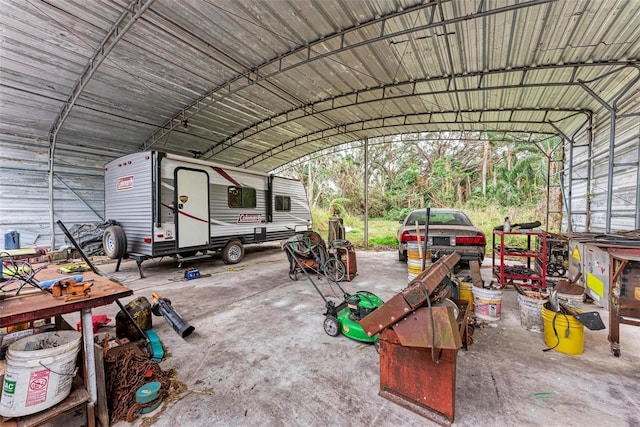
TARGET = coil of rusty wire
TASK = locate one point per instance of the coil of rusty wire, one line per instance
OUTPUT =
(125, 373)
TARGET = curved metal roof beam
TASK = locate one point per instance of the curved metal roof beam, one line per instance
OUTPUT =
(124, 23)
(131, 14)
(292, 58)
(354, 98)
(358, 144)
(372, 124)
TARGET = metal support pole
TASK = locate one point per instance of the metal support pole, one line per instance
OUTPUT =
(587, 223)
(567, 199)
(548, 189)
(129, 16)
(90, 357)
(638, 192)
(612, 134)
(52, 228)
(366, 193)
(612, 149)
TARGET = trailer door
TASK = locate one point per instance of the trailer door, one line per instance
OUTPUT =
(192, 200)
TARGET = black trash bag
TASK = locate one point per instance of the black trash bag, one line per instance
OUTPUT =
(89, 237)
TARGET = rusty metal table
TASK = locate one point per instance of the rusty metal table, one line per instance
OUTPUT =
(624, 292)
(30, 307)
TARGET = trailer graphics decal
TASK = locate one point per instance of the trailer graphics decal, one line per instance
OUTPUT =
(181, 212)
(226, 176)
(251, 218)
(124, 183)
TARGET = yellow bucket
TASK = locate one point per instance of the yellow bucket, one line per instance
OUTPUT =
(466, 293)
(563, 333)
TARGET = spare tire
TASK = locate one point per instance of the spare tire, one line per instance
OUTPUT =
(114, 242)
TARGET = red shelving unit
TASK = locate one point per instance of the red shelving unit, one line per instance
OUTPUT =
(532, 275)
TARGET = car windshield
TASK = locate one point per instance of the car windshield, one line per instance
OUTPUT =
(438, 218)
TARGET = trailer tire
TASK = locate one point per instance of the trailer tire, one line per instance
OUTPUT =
(233, 252)
(114, 242)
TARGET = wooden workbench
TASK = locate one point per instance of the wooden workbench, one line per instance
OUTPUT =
(29, 307)
(42, 305)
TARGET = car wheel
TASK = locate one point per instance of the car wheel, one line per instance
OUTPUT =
(233, 252)
(114, 242)
(402, 256)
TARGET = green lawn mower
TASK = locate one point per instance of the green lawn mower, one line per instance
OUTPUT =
(308, 253)
(346, 316)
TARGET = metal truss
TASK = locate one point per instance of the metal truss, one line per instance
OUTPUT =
(132, 13)
(306, 54)
(384, 140)
(398, 91)
(405, 120)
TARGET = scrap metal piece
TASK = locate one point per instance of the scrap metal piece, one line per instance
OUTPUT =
(410, 378)
(415, 329)
(385, 315)
(426, 282)
(411, 298)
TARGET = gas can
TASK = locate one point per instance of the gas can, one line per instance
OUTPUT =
(12, 240)
(140, 310)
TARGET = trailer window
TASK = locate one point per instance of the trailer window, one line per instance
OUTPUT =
(283, 203)
(241, 197)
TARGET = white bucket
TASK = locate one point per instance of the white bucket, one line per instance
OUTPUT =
(487, 303)
(531, 311)
(40, 370)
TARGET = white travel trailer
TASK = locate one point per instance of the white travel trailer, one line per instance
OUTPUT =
(166, 205)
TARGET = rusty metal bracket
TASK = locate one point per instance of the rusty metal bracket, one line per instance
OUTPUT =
(408, 300)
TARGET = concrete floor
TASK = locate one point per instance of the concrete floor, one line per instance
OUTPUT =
(259, 356)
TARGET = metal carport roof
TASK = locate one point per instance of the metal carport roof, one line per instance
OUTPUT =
(258, 84)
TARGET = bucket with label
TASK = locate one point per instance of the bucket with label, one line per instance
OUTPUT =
(530, 310)
(414, 261)
(487, 303)
(40, 370)
(562, 332)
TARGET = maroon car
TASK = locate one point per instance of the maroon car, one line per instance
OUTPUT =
(449, 230)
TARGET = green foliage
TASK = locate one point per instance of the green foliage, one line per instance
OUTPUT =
(383, 232)
(496, 175)
(383, 242)
(395, 214)
(336, 206)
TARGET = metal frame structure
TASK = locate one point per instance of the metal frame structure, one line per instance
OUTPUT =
(259, 86)
(293, 59)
